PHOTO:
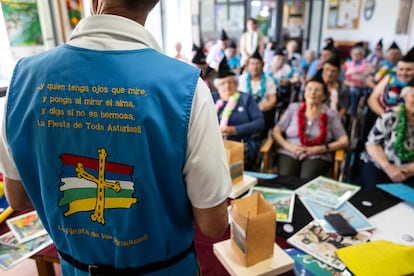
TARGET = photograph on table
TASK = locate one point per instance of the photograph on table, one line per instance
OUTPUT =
(26, 226)
(12, 252)
(313, 240)
(307, 265)
(328, 192)
(347, 210)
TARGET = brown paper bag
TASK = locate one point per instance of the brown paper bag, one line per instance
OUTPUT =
(235, 156)
(253, 229)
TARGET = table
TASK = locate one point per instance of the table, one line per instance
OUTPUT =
(210, 265)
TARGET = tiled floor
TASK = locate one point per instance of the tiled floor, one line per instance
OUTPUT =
(27, 268)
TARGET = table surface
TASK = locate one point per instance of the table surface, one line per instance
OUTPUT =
(210, 265)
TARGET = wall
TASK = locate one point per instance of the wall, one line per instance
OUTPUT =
(154, 24)
(177, 26)
(381, 25)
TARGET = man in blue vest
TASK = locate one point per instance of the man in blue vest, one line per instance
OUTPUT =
(117, 147)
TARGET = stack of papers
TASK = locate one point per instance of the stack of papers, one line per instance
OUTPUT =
(26, 238)
(323, 196)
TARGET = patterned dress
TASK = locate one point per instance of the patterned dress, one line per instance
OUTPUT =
(383, 133)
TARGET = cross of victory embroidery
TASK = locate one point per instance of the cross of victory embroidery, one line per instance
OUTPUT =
(98, 214)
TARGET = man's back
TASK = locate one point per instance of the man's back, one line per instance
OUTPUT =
(113, 145)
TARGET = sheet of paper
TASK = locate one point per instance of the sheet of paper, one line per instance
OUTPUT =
(395, 224)
(399, 190)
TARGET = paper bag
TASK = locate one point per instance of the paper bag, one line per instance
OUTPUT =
(253, 229)
(235, 156)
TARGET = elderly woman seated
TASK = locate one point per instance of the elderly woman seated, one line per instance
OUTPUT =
(239, 115)
(254, 81)
(308, 133)
(389, 150)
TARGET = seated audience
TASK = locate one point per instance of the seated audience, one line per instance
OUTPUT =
(254, 81)
(281, 72)
(328, 52)
(208, 74)
(293, 58)
(338, 92)
(356, 71)
(232, 56)
(308, 134)
(286, 80)
(240, 118)
(216, 52)
(376, 57)
(268, 53)
(389, 150)
(305, 62)
(386, 93)
(387, 66)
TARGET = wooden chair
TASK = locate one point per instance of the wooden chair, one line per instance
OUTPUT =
(268, 152)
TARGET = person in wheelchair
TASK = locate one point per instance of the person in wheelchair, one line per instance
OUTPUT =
(308, 133)
(239, 116)
(389, 149)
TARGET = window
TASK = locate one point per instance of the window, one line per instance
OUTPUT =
(222, 14)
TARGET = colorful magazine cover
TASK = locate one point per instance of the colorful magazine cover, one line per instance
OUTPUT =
(347, 210)
(328, 192)
(12, 252)
(26, 227)
(306, 265)
(313, 240)
(282, 200)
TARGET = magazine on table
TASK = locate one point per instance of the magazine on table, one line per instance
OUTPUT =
(283, 200)
(313, 240)
(328, 192)
(26, 227)
(306, 265)
(12, 252)
(347, 210)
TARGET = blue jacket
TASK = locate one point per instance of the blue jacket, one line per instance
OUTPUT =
(99, 139)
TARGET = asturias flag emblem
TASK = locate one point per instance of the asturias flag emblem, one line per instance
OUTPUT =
(95, 185)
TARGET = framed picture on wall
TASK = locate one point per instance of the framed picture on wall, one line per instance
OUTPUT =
(344, 14)
(403, 17)
(23, 27)
(22, 22)
(70, 13)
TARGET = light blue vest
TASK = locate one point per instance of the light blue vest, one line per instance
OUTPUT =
(99, 139)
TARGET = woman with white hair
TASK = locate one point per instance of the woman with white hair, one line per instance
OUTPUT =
(239, 116)
(389, 150)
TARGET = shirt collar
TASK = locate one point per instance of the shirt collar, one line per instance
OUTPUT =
(111, 32)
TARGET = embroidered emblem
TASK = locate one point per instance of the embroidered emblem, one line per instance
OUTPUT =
(84, 191)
